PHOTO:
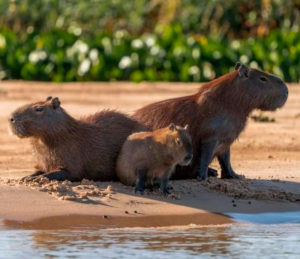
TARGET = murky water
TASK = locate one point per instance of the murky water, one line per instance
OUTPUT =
(240, 240)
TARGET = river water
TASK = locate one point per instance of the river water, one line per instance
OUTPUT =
(269, 235)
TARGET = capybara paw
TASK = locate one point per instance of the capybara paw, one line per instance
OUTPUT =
(139, 190)
(212, 172)
(232, 175)
(29, 178)
(166, 192)
(201, 178)
(170, 187)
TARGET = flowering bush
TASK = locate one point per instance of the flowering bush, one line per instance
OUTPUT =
(167, 56)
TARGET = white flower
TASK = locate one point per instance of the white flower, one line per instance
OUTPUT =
(154, 50)
(196, 53)
(2, 42)
(208, 71)
(235, 44)
(37, 55)
(244, 59)
(194, 70)
(125, 62)
(93, 54)
(84, 67)
(253, 64)
(81, 46)
(120, 33)
(33, 57)
(150, 41)
(190, 41)
(137, 44)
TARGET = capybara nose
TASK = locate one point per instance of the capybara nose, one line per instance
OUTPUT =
(188, 157)
(12, 120)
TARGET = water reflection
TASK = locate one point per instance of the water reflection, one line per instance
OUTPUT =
(225, 241)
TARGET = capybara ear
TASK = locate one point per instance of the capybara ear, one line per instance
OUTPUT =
(243, 71)
(48, 98)
(186, 127)
(172, 126)
(237, 65)
(55, 102)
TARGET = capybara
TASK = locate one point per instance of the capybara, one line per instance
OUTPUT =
(70, 149)
(217, 114)
(147, 156)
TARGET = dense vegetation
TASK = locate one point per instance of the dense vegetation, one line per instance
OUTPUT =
(170, 40)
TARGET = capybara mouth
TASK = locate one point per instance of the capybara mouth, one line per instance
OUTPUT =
(186, 162)
(273, 103)
(17, 129)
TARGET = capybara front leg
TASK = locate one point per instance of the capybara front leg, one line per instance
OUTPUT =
(207, 151)
(164, 183)
(60, 175)
(141, 180)
(227, 171)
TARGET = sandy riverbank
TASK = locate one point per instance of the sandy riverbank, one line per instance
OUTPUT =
(266, 153)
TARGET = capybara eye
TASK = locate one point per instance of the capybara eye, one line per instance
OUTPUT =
(178, 142)
(39, 109)
(262, 78)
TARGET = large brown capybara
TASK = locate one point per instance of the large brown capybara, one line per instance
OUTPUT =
(217, 114)
(70, 149)
(153, 155)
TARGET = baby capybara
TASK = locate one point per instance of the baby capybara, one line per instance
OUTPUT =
(70, 149)
(217, 114)
(147, 156)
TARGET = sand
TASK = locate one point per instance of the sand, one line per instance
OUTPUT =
(267, 154)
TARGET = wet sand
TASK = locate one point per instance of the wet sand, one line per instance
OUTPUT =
(268, 154)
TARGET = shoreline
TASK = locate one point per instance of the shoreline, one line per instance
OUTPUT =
(113, 222)
(116, 205)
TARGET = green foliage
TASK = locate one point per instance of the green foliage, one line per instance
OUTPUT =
(168, 56)
(229, 19)
(146, 40)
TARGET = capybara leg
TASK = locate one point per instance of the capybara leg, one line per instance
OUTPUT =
(227, 171)
(164, 183)
(212, 172)
(60, 175)
(207, 150)
(32, 176)
(141, 180)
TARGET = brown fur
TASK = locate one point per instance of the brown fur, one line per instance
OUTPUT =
(217, 113)
(157, 152)
(85, 148)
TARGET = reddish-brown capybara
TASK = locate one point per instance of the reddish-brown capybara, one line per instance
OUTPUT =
(70, 149)
(153, 155)
(217, 114)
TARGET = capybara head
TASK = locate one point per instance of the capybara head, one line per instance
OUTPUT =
(180, 143)
(267, 92)
(33, 120)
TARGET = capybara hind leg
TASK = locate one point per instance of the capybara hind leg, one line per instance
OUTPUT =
(227, 171)
(141, 180)
(32, 176)
(60, 175)
(207, 150)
